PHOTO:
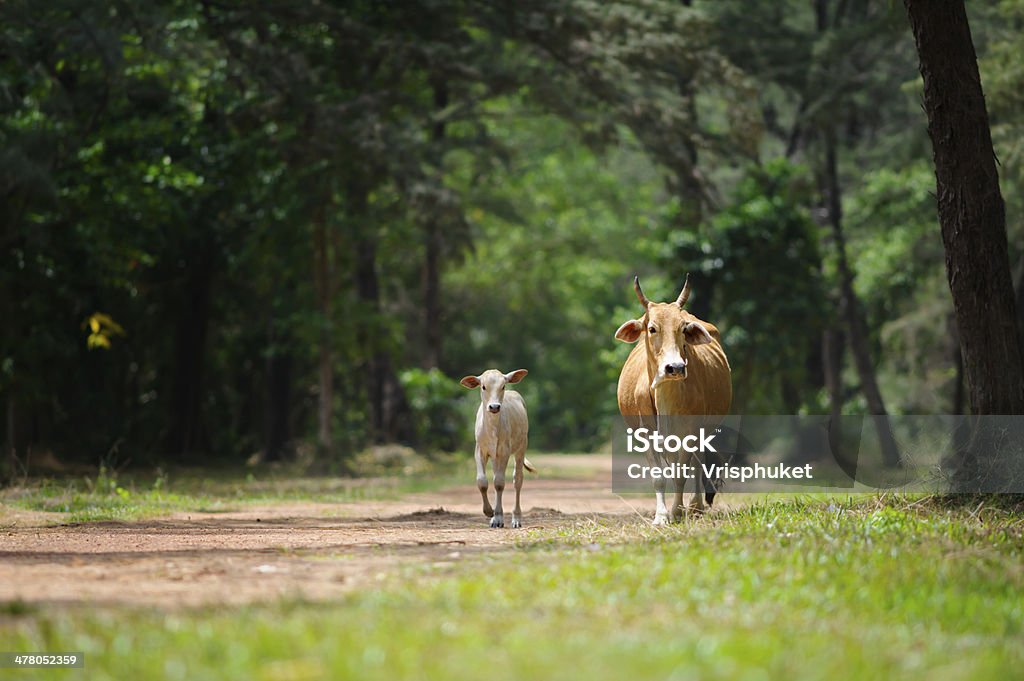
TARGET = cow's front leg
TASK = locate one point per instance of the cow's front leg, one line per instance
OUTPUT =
(696, 506)
(517, 481)
(677, 501)
(499, 464)
(481, 482)
(660, 510)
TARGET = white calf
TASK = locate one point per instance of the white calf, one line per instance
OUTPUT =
(501, 432)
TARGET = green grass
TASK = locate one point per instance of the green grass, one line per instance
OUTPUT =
(875, 588)
(108, 496)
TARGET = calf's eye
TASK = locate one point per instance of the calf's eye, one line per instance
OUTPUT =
(652, 330)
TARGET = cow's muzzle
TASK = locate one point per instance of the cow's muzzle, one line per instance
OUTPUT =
(494, 408)
(676, 370)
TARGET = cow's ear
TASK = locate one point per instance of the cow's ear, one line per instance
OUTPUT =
(630, 331)
(516, 376)
(470, 382)
(696, 333)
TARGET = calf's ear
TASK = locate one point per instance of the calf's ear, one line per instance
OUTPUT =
(630, 331)
(696, 333)
(516, 376)
(470, 382)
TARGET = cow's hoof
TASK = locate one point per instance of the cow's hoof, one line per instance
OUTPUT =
(497, 521)
(516, 523)
(677, 514)
(660, 520)
(488, 512)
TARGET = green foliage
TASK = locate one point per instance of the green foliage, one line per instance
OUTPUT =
(758, 272)
(546, 287)
(436, 401)
(263, 194)
(251, 189)
(895, 249)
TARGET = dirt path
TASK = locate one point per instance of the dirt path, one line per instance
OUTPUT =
(308, 550)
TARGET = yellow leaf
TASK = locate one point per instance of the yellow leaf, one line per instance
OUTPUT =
(108, 323)
(98, 340)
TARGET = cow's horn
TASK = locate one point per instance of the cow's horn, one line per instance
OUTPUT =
(640, 293)
(684, 295)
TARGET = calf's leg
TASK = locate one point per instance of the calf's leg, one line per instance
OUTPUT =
(481, 482)
(499, 463)
(517, 480)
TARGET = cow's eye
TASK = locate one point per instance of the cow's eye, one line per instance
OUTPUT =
(652, 330)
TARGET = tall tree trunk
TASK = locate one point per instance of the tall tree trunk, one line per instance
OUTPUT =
(278, 404)
(856, 328)
(971, 211)
(694, 192)
(390, 415)
(12, 438)
(832, 346)
(434, 334)
(187, 434)
(368, 291)
(325, 364)
(973, 222)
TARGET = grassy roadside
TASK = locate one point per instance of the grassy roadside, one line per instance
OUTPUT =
(861, 589)
(111, 496)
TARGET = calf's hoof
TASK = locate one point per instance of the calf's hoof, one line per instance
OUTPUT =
(498, 521)
(488, 512)
(517, 522)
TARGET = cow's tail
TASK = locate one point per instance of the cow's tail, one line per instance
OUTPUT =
(528, 466)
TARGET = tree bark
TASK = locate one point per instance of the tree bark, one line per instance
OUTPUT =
(368, 290)
(832, 346)
(12, 438)
(325, 362)
(278, 404)
(432, 311)
(694, 192)
(187, 434)
(434, 336)
(971, 211)
(856, 328)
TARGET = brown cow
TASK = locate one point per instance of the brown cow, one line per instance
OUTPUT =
(677, 369)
